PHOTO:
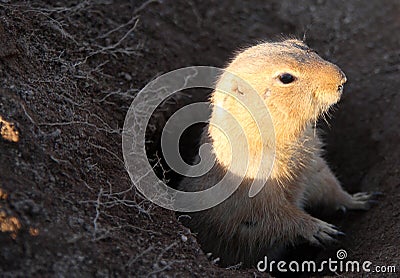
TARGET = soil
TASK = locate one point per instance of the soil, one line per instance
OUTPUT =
(69, 71)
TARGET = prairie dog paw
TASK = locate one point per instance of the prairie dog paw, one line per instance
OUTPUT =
(324, 233)
(360, 201)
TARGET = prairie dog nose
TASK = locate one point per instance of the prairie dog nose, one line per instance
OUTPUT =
(344, 78)
(337, 75)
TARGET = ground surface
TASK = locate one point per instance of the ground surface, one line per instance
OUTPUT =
(68, 72)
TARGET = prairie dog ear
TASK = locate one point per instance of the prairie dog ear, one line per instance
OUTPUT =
(230, 83)
(237, 86)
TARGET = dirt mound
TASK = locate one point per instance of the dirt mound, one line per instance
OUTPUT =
(69, 71)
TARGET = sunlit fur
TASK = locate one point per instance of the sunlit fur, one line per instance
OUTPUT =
(243, 229)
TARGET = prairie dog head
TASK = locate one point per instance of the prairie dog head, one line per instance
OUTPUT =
(295, 84)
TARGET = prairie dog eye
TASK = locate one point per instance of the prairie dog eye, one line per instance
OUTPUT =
(286, 78)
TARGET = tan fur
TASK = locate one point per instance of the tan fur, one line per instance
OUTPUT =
(243, 229)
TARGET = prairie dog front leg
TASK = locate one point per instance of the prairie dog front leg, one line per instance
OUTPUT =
(322, 189)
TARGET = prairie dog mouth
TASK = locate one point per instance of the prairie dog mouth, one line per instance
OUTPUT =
(340, 89)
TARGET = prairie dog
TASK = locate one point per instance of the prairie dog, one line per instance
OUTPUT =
(297, 86)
